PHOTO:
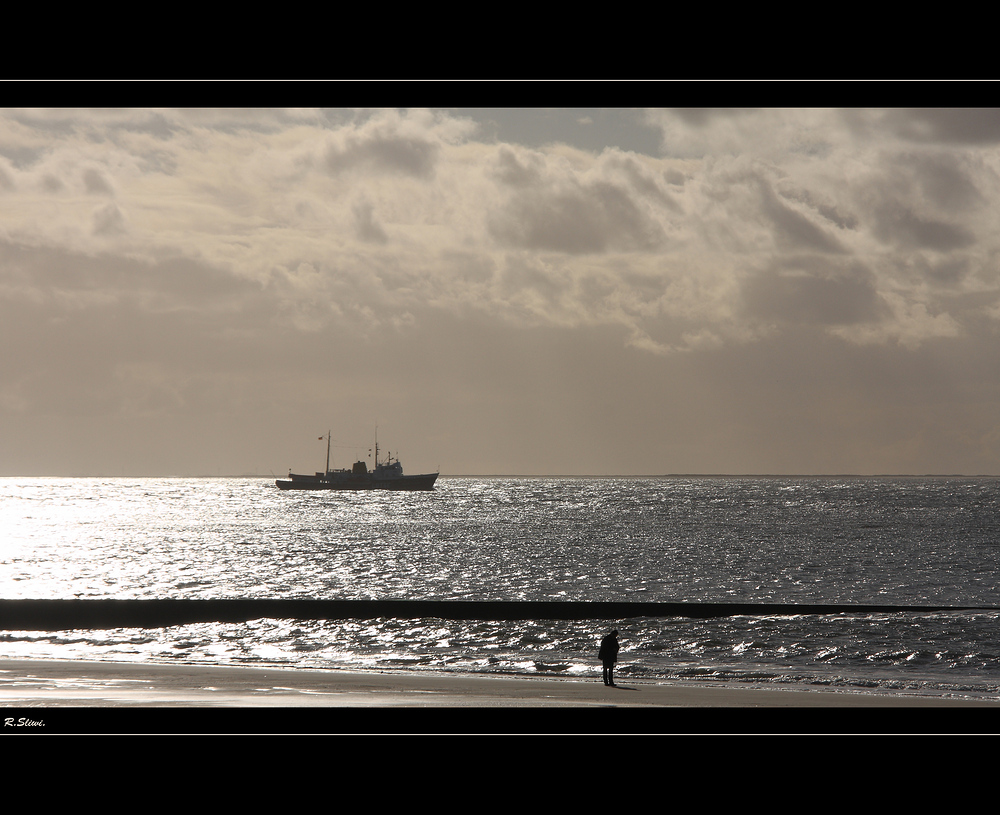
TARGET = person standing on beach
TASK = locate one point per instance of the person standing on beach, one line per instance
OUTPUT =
(608, 656)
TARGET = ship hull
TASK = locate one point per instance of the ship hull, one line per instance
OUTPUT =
(407, 483)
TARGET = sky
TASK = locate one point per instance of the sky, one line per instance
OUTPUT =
(500, 291)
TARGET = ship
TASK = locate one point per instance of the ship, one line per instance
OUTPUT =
(387, 475)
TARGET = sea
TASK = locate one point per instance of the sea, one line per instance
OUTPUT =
(892, 541)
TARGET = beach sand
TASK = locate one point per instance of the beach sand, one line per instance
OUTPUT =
(36, 683)
(61, 697)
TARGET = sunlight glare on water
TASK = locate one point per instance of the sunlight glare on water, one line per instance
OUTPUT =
(757, 540)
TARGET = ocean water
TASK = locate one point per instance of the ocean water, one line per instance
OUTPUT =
(892, 541)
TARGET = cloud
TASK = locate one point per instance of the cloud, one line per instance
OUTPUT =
(386, 153)
(96, 183)
(109, 219)
(937, 126)
(368, 228)
(840, 299)
(664, 246)
(895, 222)
(391, 142)
(793, 229)
(596, 217)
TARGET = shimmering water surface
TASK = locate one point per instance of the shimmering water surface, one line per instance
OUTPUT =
(914, 541)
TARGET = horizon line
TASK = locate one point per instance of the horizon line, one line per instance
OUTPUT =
(557, 475)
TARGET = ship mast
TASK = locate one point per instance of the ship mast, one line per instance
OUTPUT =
(328, 432)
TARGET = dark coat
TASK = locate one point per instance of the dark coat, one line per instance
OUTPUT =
(609, 650)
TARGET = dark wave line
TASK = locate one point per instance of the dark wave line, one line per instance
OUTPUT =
(59, 615)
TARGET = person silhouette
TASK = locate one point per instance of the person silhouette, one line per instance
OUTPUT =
(608, 656)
